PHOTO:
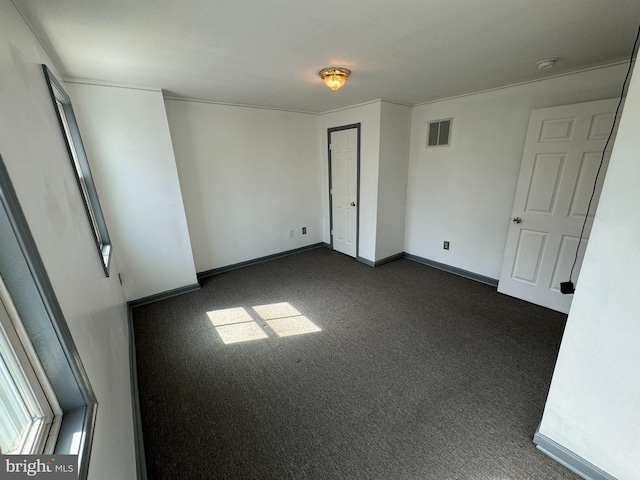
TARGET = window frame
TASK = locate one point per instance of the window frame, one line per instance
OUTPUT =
(32, 392)
(78, 157)
(34, 299)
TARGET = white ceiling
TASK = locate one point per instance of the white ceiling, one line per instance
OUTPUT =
(268, 53)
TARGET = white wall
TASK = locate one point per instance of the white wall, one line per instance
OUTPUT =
(395, 130)
(248, 177)
(592, 407)
(368, 116)
(94, 306)
(126, 136)
(464, 193)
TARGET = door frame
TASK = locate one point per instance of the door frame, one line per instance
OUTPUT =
(329, 132)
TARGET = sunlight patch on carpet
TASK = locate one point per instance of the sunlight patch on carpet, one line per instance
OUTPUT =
(229, 315)
(276, 310)
(285, 320)
(286, 327)
(237, 325)
(241, 332)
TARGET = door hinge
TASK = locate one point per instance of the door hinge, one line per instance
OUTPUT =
(331, 231)
(329, 146)
(331, 191)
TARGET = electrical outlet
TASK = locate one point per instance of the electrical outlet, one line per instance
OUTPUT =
(446, 245)
(304, 230)
(291, 233)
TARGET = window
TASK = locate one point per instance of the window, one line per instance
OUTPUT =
(439, 133)
(30, 415)
(38, 346)
(78, 157)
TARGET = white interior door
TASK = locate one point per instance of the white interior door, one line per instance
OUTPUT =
(343, 152)
(561, 157)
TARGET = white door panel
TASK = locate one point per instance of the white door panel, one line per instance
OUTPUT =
(560, 161)
(344, 190)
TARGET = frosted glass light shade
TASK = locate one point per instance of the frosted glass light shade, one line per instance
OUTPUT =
(334, 77)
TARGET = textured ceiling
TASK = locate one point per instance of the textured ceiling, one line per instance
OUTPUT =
(268, 53)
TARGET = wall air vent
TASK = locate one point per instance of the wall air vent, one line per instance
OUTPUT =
(439, 133)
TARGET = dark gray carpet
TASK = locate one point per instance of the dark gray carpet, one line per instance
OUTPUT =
(416, 374)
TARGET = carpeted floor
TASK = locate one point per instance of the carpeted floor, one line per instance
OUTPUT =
(414, 374)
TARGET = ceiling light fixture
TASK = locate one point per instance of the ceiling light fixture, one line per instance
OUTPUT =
(547, 63)
(334, 77)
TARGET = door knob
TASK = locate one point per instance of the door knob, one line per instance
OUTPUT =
(353, 204)
(517, 220)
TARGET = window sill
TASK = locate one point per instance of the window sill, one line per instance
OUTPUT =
(76, 435)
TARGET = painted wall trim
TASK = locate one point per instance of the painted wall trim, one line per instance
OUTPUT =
(366, 261)
(455, 270)
(389, 259)
(245, 105)
(228, 104)
(349, 107)
(377, 263)
(100, 83)
(138, 440)
(566, 457)
(503, 87)
(255, 261)
(164, 295)
(55, 59)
